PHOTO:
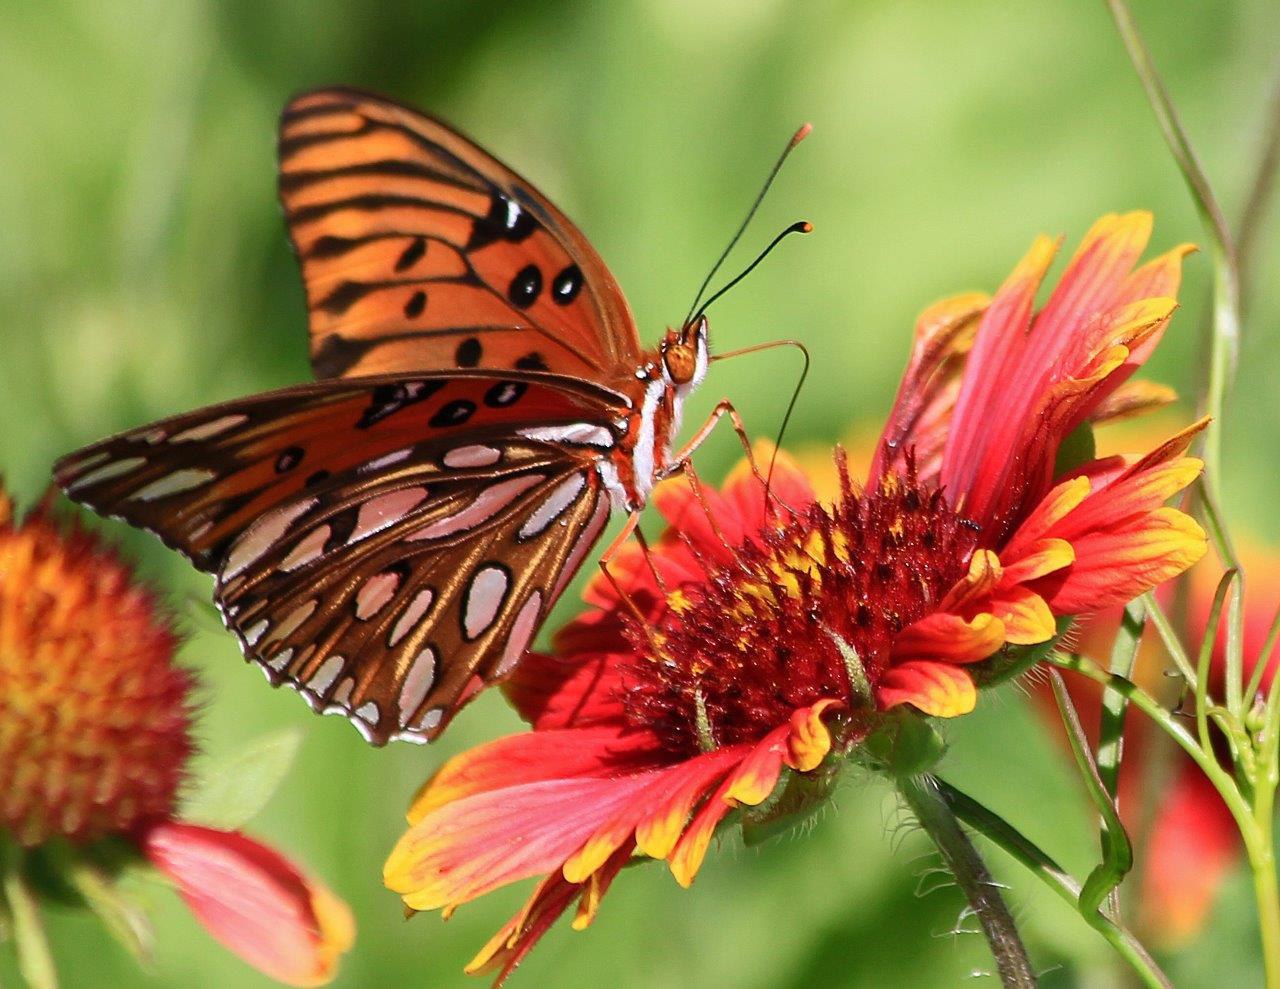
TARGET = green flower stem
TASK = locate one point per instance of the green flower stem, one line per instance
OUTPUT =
(997, 830)
(1224, 338)
(1117, 853)
(1255, 819)
(923, 796)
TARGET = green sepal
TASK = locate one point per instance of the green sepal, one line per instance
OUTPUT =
(1013, 661)
(35, 961)
(795, 799)
(905, 744)
(237, 786)
(1075, 451)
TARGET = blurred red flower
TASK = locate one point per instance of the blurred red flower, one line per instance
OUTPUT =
(95, 738)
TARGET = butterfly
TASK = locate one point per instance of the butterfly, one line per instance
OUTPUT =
(388, 539)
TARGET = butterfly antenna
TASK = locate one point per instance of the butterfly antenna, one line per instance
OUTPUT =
(799, 227)
(786, 417)
(796, 138)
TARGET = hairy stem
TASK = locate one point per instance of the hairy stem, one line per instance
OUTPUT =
(935, 815)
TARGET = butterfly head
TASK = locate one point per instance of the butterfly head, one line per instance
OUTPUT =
(684, 354)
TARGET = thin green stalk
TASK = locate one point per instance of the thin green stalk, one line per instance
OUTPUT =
(1253, 819)
(1124, 654)
(1117, 852)
(1224, 340)
(922, 796)
(999, 831)
(1169, 638)
(1223, 781)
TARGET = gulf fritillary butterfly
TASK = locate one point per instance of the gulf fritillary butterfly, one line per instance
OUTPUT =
(388, 540)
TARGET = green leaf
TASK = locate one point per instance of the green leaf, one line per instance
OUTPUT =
(124, 919)
(1077, 449)
(236, 787)
(34, 959)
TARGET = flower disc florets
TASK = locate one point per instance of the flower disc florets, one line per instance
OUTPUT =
(93, 714)
(809, 611)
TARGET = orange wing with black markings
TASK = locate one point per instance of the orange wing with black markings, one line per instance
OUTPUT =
(385, 546)
(419, 250)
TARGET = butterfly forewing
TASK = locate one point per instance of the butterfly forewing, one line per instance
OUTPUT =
(387, 545)
(420, 250)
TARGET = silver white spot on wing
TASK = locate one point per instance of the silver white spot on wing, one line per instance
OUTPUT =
(417, 683)
(411, 615)
(522, 630)
(208, 430)
(104, 473)
(309, 548)
(386, 509)
(254, 632)
(590, 533)
(488, 503)
(473, 455)
(368, 712)
(280, 660)
(575, 433)
(262, 535)
(484, 597)
(342, 695)
(375, 592)
(322, 679)
(564, 495)
(386, 460)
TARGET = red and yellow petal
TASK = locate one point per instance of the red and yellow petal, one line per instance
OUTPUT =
(1117, 564)
(940, 689)
(1038, 559)
(254, 901)
(985, 574)
(948, 638)
(1028, 620)
(574, 690)
(533, 756)
(810, 739)
(471, 846)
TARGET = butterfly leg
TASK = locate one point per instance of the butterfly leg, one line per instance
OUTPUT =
(607, 556)
(723, 408)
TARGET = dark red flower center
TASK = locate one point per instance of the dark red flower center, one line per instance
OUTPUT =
(732, 657)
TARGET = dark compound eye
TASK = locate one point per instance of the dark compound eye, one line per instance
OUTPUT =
(468, 353)
(526, 286)
(453, 413)
(566, 285)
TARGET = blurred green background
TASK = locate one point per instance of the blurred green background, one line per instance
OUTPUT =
(144, 271)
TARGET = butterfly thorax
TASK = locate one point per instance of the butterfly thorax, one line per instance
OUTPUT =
(657, 390)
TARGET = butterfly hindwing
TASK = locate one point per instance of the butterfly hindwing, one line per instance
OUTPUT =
(396, 627)
(418, 529)
(420, 250)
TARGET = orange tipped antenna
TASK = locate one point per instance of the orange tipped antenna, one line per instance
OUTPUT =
(796, 138)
